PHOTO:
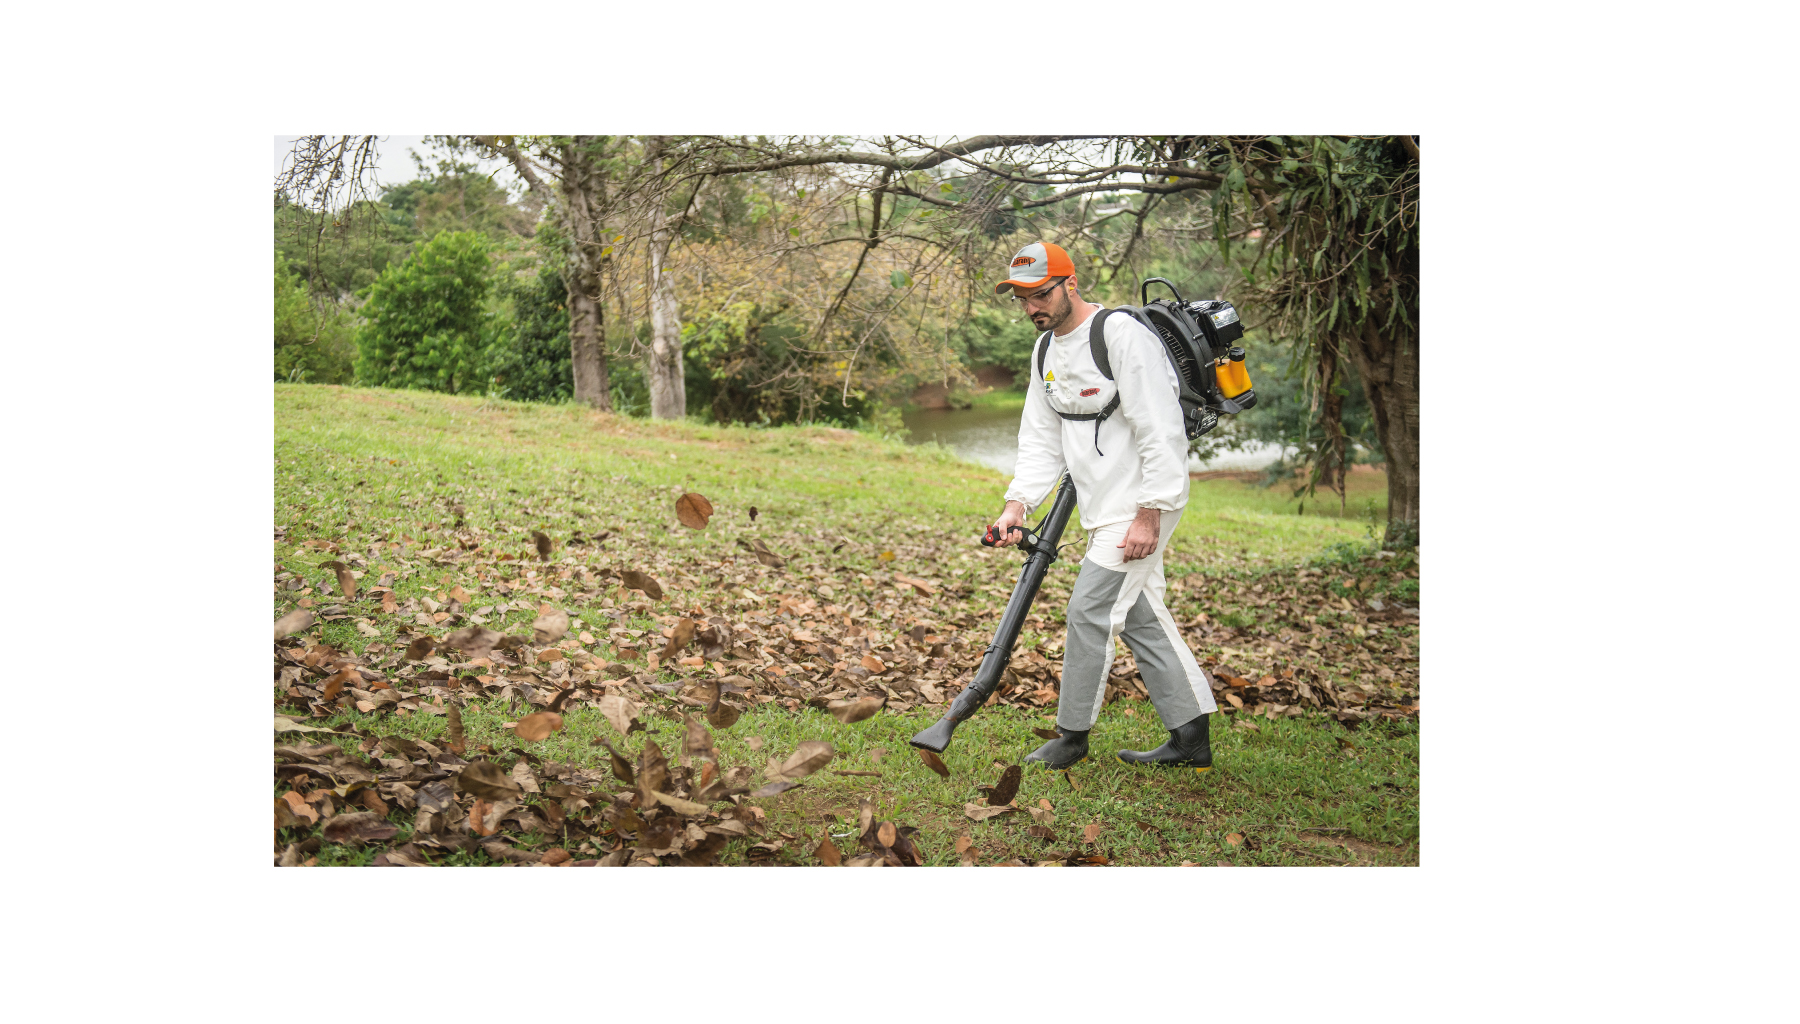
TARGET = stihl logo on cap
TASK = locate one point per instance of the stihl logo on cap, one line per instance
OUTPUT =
(1024, 261)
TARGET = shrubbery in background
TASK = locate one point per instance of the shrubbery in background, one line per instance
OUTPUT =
(529, 361)
(427, 322)
(313, 338)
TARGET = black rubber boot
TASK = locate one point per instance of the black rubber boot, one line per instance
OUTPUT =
(1189, 746)
(1062, 752)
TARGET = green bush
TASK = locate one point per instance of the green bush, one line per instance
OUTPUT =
(426, 323)
(1000, 338)
(312, 341)
(530, 362)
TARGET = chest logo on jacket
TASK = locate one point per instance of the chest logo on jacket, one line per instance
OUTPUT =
(1050, 383)
(1089, 392)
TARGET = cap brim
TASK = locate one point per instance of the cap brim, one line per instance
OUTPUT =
(1040, 282)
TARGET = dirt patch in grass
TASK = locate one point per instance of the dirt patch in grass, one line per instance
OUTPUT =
(1360, 851)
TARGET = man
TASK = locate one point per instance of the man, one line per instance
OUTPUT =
(1122, 443)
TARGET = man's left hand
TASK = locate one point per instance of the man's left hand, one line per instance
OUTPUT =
(1140, 540)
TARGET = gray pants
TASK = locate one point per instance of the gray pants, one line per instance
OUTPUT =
(1115, 598)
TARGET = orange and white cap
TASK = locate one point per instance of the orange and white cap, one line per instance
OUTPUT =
(1035, 264)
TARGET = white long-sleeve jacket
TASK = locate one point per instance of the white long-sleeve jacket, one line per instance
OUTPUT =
(1139, 457)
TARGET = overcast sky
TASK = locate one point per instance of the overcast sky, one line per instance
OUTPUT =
(393, 163)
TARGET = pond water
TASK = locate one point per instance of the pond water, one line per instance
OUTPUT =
(991, 437)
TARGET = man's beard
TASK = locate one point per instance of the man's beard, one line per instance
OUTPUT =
(1051, 319)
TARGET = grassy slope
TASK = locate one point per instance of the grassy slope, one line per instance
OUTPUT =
(346, 458)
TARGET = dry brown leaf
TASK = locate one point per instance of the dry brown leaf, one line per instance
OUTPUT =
(293, 622)
(557, 857)
(963, 843)
(543, 545)
(765, 556)
(1235, 839)
(693, 510)
(550, 626)
(621, 768)
(849, 711)
(484, 779)
(419, 648)
(299, 808)
(538, 725)
(1006, 787)
(680, 635)
(284, 814)
(1047, 734)
(335, 685)
(807, 758)
(697, 742)
(873, 664)
(434, 797)
(723, 716)
(828, 854)
(635, 580)
(453, 730)
(653, 770)
(619, 711)
(346, 582)
(1234, 700)
(754, 743)
(474, 641)
(361, 827)
(479, 814)
(389, 604)
(885, 834)
(925, 587)
(935, 763)
(977, 812)
(678, 805)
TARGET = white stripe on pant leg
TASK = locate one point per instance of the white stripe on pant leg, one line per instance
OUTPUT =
(1112, 655)
(1203, 694)
(1115, 621)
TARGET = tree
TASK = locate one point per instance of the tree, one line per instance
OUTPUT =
(1339, 273)
(531, 362)
(668, 391)
(571, 172)
(313, 340)
(426, 320)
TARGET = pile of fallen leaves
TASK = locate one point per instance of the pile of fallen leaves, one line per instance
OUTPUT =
(666, 812)
(810, 627)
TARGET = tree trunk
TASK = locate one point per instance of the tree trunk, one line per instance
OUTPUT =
(587, 311)
(668, 378)
(581, 186)
(1389, 365)
(1334, 474)
(587, 339)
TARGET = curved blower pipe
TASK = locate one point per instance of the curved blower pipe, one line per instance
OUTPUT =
(1040, 551)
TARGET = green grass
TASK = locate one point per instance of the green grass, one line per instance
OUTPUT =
(998, 399)
(359, 466)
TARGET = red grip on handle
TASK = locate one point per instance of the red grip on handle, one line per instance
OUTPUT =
(992, 537)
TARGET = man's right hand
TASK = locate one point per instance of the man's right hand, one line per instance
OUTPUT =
(1010, 523)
